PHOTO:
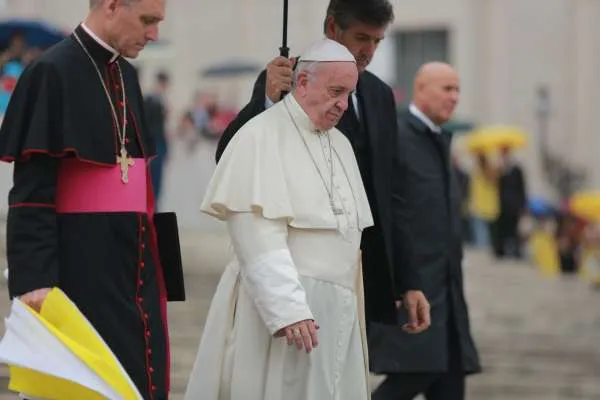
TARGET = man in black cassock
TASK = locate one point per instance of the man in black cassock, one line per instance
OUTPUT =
(81, 205)
(371, 127)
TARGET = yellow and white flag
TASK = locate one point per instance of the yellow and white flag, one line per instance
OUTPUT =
(58, 355)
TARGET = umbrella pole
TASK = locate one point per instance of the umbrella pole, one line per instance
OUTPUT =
(284, 51)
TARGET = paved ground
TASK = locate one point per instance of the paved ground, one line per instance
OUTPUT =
(539, 339)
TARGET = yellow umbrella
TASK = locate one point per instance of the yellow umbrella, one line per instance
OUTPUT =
(492, 138)
(58, 355)
(586, 205)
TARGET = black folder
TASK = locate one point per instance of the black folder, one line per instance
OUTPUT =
(169, 249)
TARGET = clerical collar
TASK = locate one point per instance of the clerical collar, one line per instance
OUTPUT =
(101, 51)
(298, 114)
(414, 110)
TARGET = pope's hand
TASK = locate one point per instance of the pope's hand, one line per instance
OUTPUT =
(303, 334)
(279, 78)
(35, 298)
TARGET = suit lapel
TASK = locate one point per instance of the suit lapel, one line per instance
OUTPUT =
(442, 143)
(346, 124)
(367, 109)
(445, 142)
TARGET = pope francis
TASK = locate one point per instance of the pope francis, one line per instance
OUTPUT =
(286, 319)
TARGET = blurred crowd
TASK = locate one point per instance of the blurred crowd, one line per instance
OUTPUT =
(203, 121)
(501, 217)
(498, 213)
(206, 118)
(13, 60)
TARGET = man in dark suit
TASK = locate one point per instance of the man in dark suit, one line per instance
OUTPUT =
(370, 123)
(435, 362)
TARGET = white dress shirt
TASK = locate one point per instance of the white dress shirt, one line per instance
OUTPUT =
(414, 110)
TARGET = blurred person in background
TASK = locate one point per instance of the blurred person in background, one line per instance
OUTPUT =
(203, 111)
(187, 132)
(156, 111)
(370, 123)
(11, 67)
(436, 362)
(76, 115)
(590, 260)
(513, 202)
(15, 50)
(569, 233)
(463, 180)
(31, 54)
(484, 201)
(542, 243)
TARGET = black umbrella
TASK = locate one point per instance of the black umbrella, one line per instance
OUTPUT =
(284, 51)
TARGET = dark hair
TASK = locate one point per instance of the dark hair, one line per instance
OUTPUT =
(16, 34)
(162, 77)
(377, 13)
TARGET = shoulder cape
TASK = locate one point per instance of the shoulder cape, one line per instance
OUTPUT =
(266, 170)
(59, 108)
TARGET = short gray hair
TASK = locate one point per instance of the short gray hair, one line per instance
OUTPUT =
(308, 67)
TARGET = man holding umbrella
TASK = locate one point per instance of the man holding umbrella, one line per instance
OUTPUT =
(370, 125)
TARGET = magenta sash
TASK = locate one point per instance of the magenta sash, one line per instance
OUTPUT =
(83, 187)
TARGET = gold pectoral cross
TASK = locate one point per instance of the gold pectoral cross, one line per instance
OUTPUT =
(124, 162)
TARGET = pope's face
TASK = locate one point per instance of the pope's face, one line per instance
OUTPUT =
(133, 24)
(325, 92)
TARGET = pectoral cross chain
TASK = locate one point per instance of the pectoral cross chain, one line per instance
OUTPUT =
(124, 162)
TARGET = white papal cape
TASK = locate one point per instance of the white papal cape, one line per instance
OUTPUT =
(294, 259)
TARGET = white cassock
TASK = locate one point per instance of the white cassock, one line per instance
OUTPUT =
(295, 259)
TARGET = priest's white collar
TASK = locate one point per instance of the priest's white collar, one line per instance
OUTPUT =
(115, 53)
(414, 110)
(298, 114)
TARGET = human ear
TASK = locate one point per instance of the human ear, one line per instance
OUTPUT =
(302, 83)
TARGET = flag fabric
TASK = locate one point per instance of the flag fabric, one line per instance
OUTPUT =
(58, 355)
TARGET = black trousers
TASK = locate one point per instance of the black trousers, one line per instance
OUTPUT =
(448, 385)
(505, 235)
(435, 386)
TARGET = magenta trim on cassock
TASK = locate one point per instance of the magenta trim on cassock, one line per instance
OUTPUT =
(87, 188)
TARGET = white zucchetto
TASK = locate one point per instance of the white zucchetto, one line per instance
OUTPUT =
(327, 50)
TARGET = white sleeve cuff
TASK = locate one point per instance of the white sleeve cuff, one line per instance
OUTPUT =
(272, 281)
(268, 102)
